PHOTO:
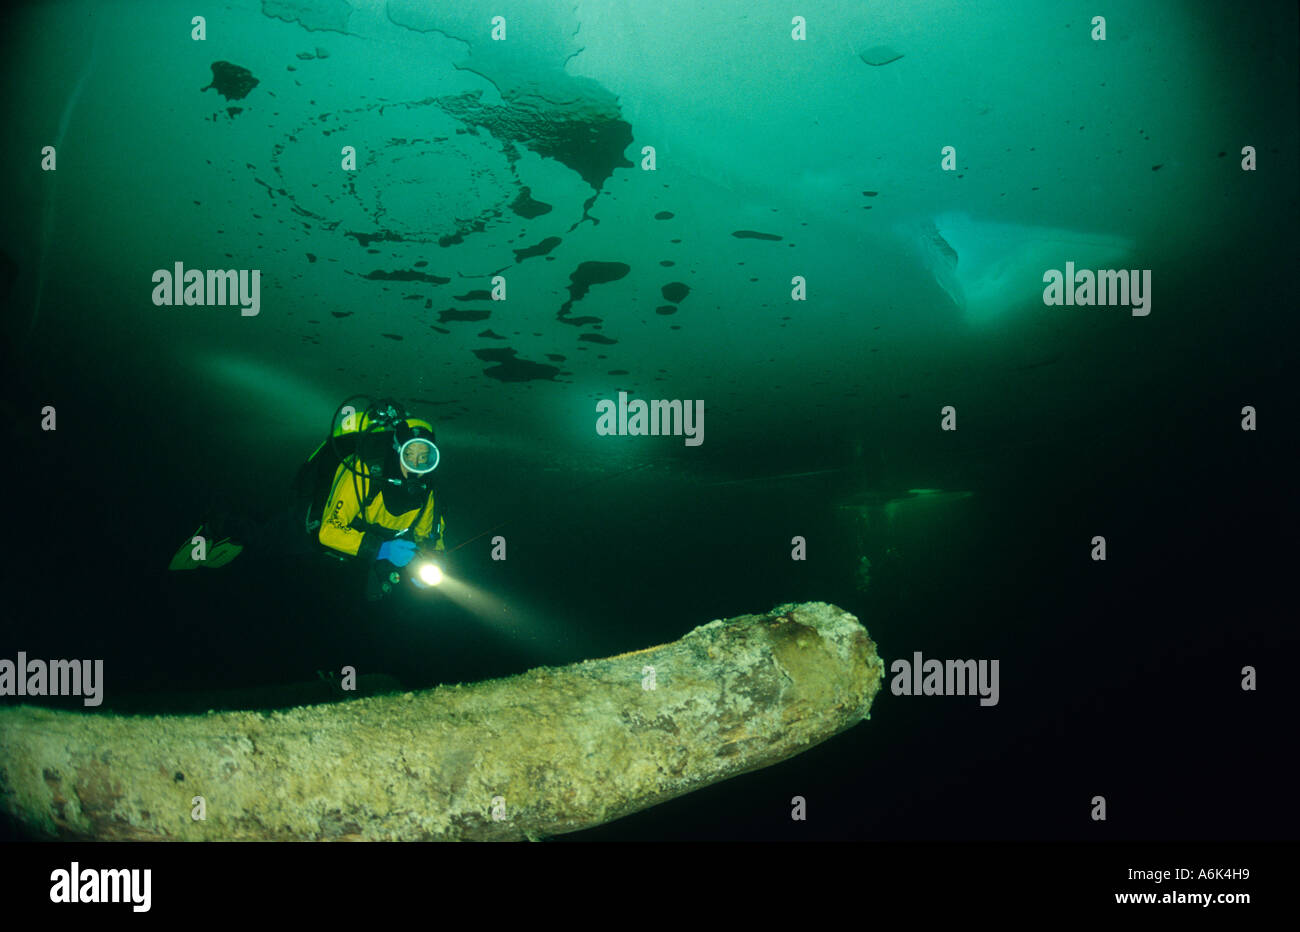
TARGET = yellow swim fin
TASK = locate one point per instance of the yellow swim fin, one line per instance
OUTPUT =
(221, 553)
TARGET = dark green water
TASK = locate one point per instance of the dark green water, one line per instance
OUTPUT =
(1119, 678)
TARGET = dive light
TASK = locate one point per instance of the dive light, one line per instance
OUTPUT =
(427, 572)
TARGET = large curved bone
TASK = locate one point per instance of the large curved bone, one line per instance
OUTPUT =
(548, 751)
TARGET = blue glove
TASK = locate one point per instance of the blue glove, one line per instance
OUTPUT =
(397, 552)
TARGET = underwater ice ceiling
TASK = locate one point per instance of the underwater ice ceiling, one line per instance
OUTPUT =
(446, 171)
(777, 160)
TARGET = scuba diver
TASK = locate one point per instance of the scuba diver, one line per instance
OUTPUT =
(368, 497)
